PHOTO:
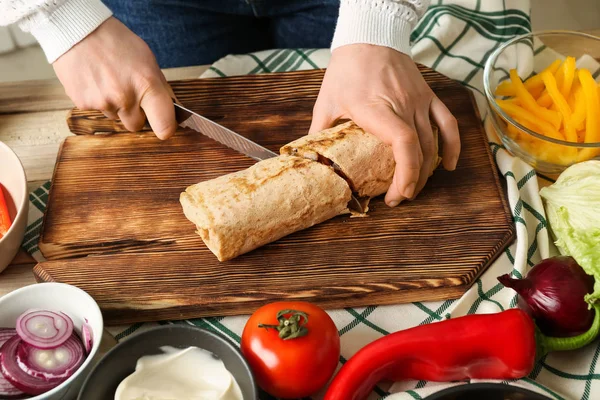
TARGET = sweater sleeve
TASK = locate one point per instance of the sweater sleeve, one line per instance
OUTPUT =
(386, 23)
(56, 24)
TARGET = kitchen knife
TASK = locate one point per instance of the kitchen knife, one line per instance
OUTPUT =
(189, 119)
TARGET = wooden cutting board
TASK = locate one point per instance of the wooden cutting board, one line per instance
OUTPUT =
(114, 226)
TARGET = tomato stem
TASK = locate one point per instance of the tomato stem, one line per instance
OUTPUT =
(289, 327)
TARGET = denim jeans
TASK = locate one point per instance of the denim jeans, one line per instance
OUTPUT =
(194, 32)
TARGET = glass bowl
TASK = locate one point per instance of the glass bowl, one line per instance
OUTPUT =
(529, 54)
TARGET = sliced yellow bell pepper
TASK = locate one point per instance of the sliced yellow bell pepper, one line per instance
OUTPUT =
(561, 105)
(513, 132)
(536, 92)
(525, 140)
(558, 154)
(543, 127)
(592, 120)
(561, 102)
(579, 111)
(568, 76)
(587, 154)
(545, 100)
(514, 100)
(592, 106)
(576, 83)
(534, 84)
(505, 88)
(527, 125)
(529, 103)
(571, 101)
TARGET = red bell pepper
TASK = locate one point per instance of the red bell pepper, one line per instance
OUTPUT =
(480, 346)
(4, 216)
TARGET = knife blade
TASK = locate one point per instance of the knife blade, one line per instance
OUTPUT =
(189, 119)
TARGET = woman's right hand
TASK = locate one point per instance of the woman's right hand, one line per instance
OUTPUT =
(114, 71)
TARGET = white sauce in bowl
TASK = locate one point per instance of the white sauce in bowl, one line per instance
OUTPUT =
(179, 374)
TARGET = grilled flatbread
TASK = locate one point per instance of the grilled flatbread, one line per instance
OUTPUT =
(239, 212)
(314, 179)
(366, 162)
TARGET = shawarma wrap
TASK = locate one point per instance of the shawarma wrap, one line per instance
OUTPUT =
(361, 158)
(316, 177)
(239, 212)
(365, 161)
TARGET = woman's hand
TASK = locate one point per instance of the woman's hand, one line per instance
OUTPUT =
(114, 71)
(383, 91)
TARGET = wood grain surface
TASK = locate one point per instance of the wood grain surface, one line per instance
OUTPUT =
(114, 226)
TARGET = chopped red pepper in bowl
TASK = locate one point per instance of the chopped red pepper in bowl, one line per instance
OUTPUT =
(5, 221)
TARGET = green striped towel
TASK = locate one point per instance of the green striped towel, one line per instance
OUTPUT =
(455, 38)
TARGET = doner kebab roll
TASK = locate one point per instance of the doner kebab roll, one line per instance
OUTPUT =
(365, 161)
(242, 211)
(312, 181)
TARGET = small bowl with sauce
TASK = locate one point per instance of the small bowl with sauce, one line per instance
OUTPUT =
(170, 361)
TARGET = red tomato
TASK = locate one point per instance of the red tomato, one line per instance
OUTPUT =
(295, 367)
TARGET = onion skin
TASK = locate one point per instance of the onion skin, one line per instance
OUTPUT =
(553, 293)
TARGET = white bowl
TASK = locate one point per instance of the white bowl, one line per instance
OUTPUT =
(12, 177)
(57, 297)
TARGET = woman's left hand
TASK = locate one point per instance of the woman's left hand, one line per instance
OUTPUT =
(383, 91)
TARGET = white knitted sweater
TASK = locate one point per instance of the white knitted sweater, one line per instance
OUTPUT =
(59, 24)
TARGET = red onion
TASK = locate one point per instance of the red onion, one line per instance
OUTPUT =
(5, 334)
(16, 376)
(553, 294)
(44, 329)
(86, 336)
(8, 391)
(58, 363)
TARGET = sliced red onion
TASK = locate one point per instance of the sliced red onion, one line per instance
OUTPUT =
(50, 364)
(8, 391)
(86, 336)
(5, 334)
(16, 376)
(44, 329)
